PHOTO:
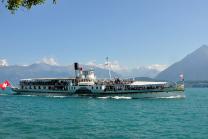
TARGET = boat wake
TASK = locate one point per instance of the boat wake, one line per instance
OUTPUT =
(28, 95)
(49, 96)
(173, 97)
(108, 97)
(4, 94)
(114, 97)
(124, 97)
(57, 96)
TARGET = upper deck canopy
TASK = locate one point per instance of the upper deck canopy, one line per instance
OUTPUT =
(142, 83)
(46, 79)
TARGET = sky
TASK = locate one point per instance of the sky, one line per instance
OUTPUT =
(129, 32)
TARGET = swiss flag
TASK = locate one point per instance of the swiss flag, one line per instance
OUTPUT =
(181, 77)
(5, 84)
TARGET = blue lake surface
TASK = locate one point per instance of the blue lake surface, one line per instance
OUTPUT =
(67, 117)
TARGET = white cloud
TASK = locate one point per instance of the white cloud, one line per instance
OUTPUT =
(92, 63)
(117, 67)
(145, 71)
(3, 62)
(49, 61)
(114, 65)
(25, 65)
(158, 67)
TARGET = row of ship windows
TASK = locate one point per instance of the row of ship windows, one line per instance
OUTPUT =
(44, 87)
(74, 88)
(34, 87)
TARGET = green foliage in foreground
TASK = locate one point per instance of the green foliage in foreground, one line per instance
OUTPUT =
(13, 5)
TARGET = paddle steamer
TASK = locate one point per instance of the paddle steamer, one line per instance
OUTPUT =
(85, 84)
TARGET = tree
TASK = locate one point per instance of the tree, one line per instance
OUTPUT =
(13, 5)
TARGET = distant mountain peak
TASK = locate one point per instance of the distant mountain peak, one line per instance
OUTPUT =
(202, 49)
(194, 66)
(204, 46)
(201, 54)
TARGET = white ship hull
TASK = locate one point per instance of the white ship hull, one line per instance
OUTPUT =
(131, 94)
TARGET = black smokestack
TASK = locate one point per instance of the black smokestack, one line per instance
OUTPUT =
(76, 66)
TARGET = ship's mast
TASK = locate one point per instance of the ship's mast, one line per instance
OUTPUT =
(108, 65)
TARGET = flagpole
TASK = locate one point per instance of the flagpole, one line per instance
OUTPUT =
(109, 72)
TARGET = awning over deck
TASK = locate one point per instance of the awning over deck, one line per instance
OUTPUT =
(145, 83)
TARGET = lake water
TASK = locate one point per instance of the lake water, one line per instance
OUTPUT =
(67, 117)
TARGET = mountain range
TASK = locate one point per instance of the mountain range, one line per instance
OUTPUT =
(41, 70)
(194, 67)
